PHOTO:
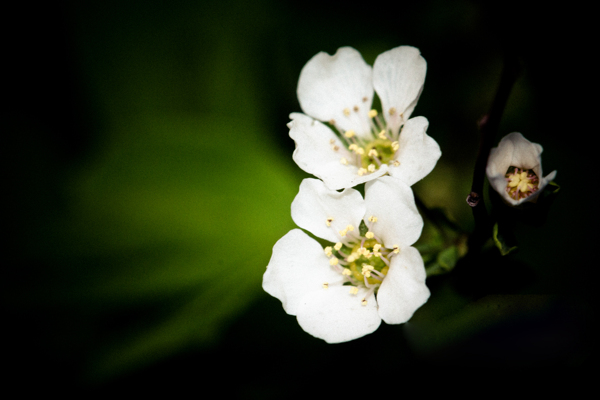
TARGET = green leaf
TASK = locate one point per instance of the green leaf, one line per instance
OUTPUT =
(502, 243)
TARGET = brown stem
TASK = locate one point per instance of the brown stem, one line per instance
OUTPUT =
(488, 128)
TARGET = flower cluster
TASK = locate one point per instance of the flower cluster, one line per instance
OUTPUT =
(370, 272)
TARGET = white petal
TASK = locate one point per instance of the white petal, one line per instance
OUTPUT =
(314, 154)
(298, 267)
(328, 85)
(393, 203)
(398, 78)
(418, 152)
(315, 204)
(336, 316)
(514, 150)
(403, 290)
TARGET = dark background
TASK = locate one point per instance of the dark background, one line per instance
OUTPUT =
(149, 174)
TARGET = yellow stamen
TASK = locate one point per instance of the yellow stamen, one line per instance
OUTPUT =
(372, 113)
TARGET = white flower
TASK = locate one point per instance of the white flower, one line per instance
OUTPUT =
(514, 169)
(342, 292)
(338, 90)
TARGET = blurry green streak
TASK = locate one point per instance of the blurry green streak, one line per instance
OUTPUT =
(177, 222)
(171, 227)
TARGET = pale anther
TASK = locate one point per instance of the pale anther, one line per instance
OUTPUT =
(372, 218)
(396, 163)
(325, 285)
(333, 261)
(346, 272)
(353, 290)
(350, 228)
(338, 246)
(347, 112)
(382, 135)
(396, 249)
(328, 221)
(362, 171)
(349, 133)
(369, 235)
(371, 168)
(395, 146)
(343, 161)
(392, 111)
(328, 251)
(355, 108)
(364, 302)
(373, 153)
(372, 113)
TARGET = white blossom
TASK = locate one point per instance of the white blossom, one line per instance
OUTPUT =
(344, 291)
(360, 144)
(514, 169)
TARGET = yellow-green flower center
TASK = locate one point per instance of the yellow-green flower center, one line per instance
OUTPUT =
(366, 255)
(377, 152)
(371, 152)
(521, 183)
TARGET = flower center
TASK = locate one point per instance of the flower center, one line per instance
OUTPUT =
(521, 183)
(364, 259)
(361, 260)
(372, 152)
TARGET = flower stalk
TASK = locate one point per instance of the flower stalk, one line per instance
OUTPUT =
(488, 128)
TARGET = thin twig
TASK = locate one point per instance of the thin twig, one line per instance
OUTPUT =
(488, 128)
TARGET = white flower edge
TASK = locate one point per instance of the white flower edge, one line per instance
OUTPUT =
(516, 151)
(295, 275)
(398, 79)
(418, 153)
(337, 88)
